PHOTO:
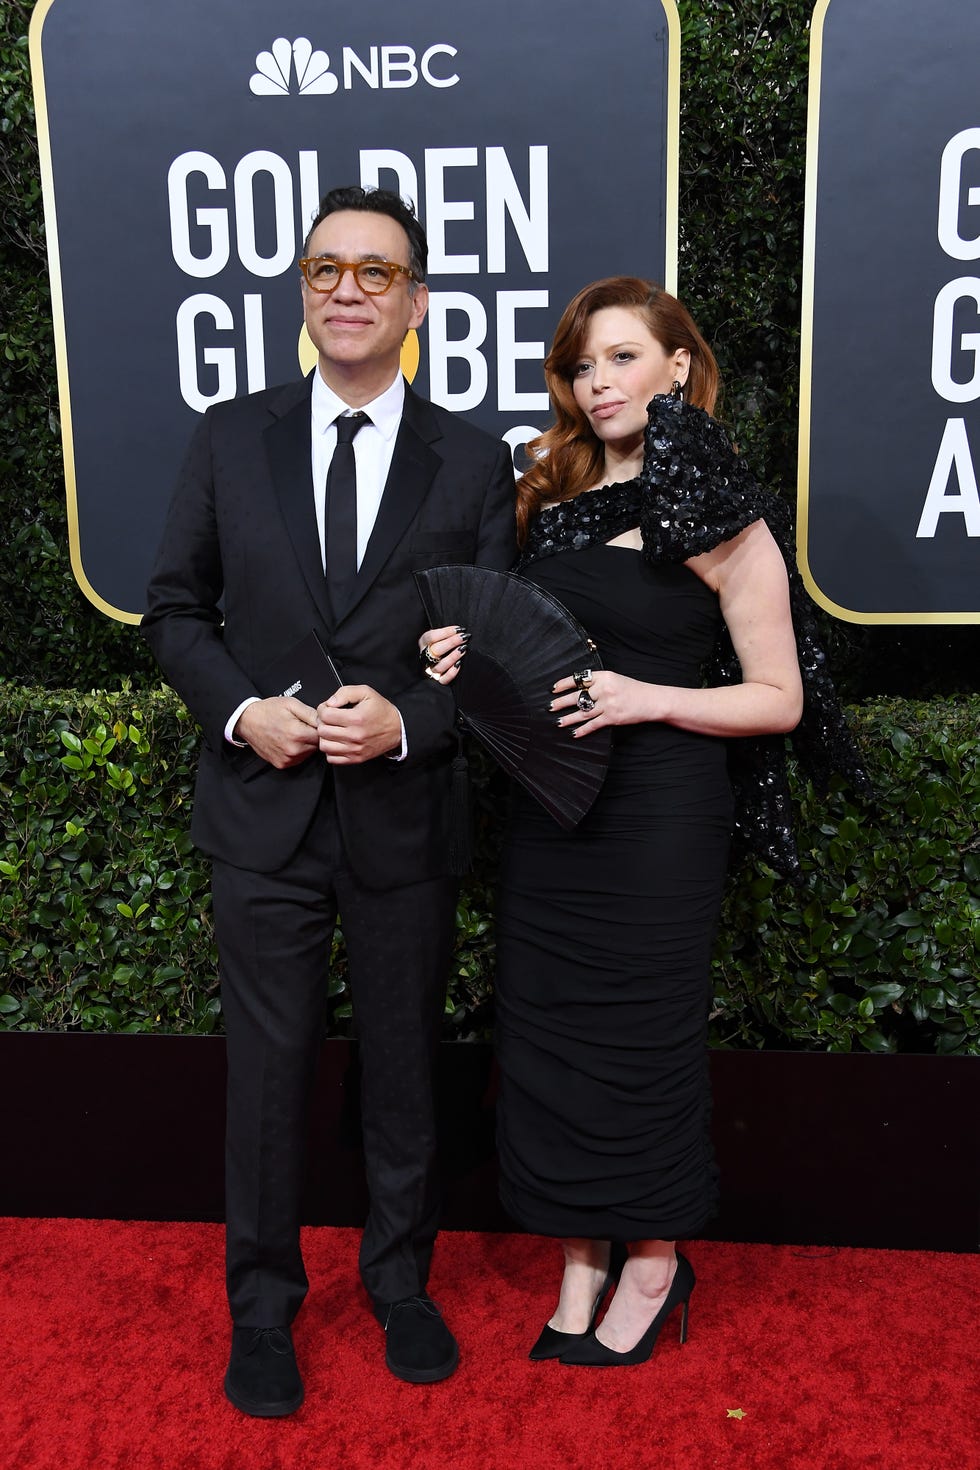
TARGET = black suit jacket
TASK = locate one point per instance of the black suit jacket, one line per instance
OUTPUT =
(242, 527)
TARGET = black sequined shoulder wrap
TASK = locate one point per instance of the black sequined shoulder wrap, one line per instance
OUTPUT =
(695, 493)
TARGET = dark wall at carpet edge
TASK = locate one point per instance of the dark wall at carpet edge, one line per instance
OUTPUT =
(816, 1149)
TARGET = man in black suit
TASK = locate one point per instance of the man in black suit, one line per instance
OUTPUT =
(310, 812)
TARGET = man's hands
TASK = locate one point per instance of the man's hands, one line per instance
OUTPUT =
(369, 727)
(282, 731)
(354, 725)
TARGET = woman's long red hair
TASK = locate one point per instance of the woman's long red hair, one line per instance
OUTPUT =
(568, 457)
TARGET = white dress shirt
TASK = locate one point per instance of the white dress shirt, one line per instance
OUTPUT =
(374, 445)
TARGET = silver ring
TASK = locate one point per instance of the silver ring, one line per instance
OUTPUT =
(428, 658)
(585, 701)
(583, 679)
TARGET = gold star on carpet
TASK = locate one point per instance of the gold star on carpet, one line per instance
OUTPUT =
(736, 1413)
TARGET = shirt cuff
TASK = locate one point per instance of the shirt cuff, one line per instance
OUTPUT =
(229, 728)
(404, 746)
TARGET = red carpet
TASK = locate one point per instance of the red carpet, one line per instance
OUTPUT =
(116, 1339)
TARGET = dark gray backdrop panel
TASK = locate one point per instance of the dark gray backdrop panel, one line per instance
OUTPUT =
(131, 87)
(898, 79)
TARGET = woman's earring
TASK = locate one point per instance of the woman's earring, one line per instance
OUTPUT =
(677, 391)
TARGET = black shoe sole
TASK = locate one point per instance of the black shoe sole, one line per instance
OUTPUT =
(423, 1375)
(263, 1411)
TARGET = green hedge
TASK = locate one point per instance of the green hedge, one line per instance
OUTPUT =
(105, 908)
(881, 949)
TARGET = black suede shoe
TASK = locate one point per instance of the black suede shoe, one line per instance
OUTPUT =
(419, 1347)
(263, 1379)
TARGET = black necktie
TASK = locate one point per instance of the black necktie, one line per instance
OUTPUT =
(341, 516)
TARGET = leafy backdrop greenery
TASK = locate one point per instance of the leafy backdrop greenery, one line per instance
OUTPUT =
(103, 903)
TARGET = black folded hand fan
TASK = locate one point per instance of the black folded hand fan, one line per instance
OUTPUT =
(521, 641)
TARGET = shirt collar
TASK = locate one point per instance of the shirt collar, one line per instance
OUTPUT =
(385, 411)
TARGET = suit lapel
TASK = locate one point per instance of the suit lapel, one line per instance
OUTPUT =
(414, 466)
(287, 443)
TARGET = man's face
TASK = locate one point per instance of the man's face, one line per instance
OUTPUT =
(348, 327)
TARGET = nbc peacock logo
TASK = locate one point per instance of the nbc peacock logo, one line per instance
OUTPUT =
(297, 68)
(286, 62)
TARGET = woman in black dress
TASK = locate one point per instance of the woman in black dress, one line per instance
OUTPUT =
(605, 933)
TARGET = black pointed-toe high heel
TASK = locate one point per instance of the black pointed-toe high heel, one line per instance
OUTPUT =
(589, 1352)
(552, 1343)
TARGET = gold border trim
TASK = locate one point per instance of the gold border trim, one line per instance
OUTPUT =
(671, 203)
(845, 614)
(38, 18)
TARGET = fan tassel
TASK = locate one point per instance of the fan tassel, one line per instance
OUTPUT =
(460, 822)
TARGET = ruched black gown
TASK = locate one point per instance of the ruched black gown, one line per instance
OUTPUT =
(604, 939)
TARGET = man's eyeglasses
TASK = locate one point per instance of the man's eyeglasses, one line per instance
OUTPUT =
(374, 277)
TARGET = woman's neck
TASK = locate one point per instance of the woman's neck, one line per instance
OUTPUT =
(620, 465)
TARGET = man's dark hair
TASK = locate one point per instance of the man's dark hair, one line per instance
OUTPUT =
(378, 201)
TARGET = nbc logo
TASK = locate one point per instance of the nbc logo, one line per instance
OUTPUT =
(294, 67)
(273, 69)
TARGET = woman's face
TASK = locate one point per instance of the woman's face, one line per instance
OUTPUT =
(621, 367)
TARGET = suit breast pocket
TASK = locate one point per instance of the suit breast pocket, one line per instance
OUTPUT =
(439, 548)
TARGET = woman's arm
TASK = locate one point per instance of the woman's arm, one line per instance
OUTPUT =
(749, 576)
